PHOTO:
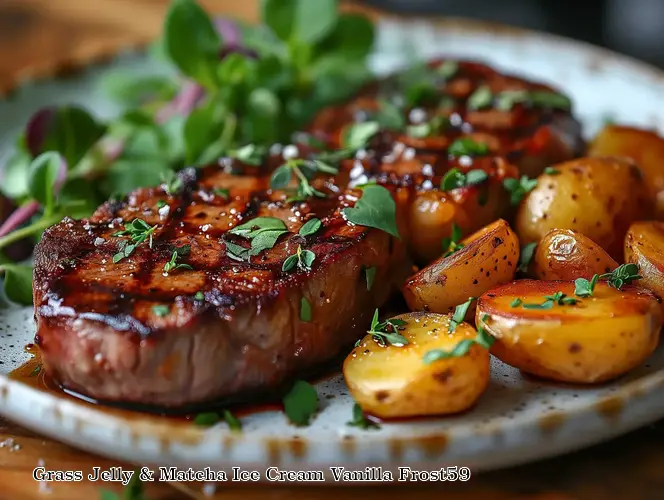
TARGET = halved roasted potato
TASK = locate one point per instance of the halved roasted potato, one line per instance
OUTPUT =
(597, 339)
(644, 246)
(488, 258)
(391, 381)
(645, 147)
(598, 197)
(564, 254)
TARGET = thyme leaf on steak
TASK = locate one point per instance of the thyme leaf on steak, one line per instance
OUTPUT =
(434, 126)
(370, 275)
(482, 339)
(454, 179)
(305, 310)
(310, 227)
(376, 208)
(507, 99)
(301, 403)
(453, 243)
(301, 258)
(263, 232)
(173, 265)
(519, 188)
(138, 231)
(360, 420)
(172, 183)
(387, 332)
(465, 146)
(304, 171)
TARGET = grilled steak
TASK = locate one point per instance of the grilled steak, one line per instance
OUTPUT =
(118, 327)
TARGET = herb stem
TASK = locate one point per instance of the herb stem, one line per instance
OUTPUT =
(34, 228)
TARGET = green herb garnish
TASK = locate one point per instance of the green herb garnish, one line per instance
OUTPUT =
(481, 98)
(301, 258)
(376, 208)
(301, 403)
(304, 171)
(206, 419)
(454, 179)
(387, 332)
(173, 265)
(551, 171)
(370, 275)
(453, 243)
(233, 422)
(558, 298)
(519, 188)
(506, 100)
(360, 420)
(263, 232)
(160, 310)
(585, 288)
(358, 135)
(310, 227)
(622, 275)
(465, 146)
(483, 339)
(305, 310)
(526, 255)
(460, 314)
(199, 296)
(172, 183)
(432, 127)
(138, 231)
(516, 302)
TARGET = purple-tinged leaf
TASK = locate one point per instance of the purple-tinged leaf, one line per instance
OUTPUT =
(38, 128)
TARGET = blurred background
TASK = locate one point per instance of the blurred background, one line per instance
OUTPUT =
(36, 34)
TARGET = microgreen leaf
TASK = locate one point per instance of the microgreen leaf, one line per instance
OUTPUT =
(516, 302)
(358, 135)
(460, 313)
(191, 41)
(18, 283)
(585, 288)
(376, 208)
(526, 255)
(465, 146)
(310, 227)
(479, 99)
(302, 258)
(360, 420)
(519, 188)
(300, 20)
(305, 310)
(301, 403)
(42, 179)
(370, 275)
(173, 265)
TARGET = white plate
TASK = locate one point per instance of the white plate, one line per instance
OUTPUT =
(516, 421)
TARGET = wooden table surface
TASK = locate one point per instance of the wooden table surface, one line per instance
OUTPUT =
(39, 35)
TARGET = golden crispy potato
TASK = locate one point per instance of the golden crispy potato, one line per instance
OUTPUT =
(489, 258)
(563, 254)
(394, 381)
(644, 246)
(598, 339)
(645, 147)
(598, 197)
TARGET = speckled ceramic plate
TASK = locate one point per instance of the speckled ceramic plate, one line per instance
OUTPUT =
(517, 420)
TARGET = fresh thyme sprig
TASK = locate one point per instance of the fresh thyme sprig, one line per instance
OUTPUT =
(138, 231)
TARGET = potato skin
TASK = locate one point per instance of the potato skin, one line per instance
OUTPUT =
(563, 254)
(644, 147)
(601, 338)
(598, 197)
(644, 246)
(393, 382)
(489, 258)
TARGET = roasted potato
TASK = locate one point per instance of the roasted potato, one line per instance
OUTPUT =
(488, 258)
(432, 213)
(598, 197)
(597, 339)
(394, 381)
(645, 147)
(644, 246)
(563, 254)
